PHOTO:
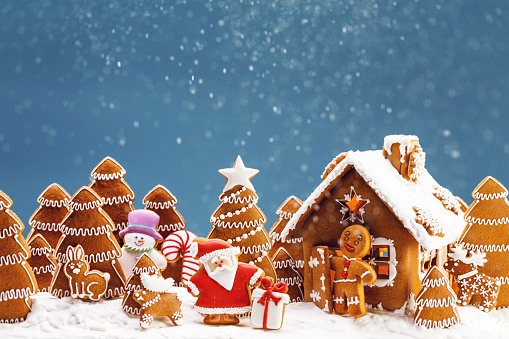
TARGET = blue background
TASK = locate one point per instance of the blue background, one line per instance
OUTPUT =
(175, 90)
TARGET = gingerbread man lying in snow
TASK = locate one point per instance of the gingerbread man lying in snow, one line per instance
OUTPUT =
(352, 272)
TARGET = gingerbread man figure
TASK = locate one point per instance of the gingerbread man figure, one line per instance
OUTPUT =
(352, 272)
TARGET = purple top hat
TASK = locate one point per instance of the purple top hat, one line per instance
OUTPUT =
(144, 222)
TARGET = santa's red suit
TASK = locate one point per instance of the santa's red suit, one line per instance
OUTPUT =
(215, 299)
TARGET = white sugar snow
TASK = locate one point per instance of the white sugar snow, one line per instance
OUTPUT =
(63, 318)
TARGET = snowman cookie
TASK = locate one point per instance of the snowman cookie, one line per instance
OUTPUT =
(352, 272)
(140, 237)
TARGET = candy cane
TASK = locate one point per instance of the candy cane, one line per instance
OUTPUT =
(181, 240)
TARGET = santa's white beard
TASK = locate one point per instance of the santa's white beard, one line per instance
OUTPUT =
(225, 276)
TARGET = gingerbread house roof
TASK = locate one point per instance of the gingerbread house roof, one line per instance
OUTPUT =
(399, 194)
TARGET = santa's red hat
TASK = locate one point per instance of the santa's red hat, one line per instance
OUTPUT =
(204, 251)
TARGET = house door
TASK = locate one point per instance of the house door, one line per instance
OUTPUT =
(321, 275)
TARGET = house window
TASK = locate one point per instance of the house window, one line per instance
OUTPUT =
(382, 258)
(382, 270)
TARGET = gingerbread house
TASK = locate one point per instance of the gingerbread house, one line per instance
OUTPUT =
(410, 217)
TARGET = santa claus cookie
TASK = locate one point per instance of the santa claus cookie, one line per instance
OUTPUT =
(140, 237)
(351, 273)
(222, 284)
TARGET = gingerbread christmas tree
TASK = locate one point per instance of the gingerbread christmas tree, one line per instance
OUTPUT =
(488, 231)
(436, 302)
(144, 264)
(239, 221)
(46, 220)
(287, 272)
(293, 242)
(17, 280)
(162, 201)
(116, 194)
(89, 226)
(42, 261)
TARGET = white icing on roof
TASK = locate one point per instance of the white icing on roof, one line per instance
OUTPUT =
(399, 194)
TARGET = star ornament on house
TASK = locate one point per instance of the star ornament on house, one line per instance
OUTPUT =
(352, 206)
(238, 175)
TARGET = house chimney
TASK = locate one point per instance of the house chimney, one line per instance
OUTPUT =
(405, 154)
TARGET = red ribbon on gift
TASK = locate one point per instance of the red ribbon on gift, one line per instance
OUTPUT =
(267, 285)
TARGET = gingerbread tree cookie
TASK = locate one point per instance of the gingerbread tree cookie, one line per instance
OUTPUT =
(488, 231)
(293, 241)
(144, 264)
(46, 220)
(162, 201)
(17, 280)
(436, 302)
(116, 194)
(287, 272)
(239, 221)
(42, 261)
(89, 226)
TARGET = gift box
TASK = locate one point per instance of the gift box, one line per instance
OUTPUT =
(269, 302)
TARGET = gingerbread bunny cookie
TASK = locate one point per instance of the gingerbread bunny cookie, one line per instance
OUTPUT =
(352, 272)
(84, 284)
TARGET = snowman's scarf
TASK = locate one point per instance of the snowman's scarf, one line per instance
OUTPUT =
(137, 249)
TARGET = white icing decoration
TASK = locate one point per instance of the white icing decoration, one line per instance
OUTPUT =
(15, 258)
(238, 175)
(171, 228)
(276, 237)
(44, 269)
(419, 159)
(118, 200)
(292, 281)
(478, 258)
(108, 176)
(428, 220)
(20, 292)
(241, 224)
(85, 231)
(255, 249)
(159, 205)
(444, 323)
(315, 296)
(193, 288)
(448, 199)
(45, 226)
(245, 235)
(255, 277)
(11, 230)
(155, 283)
(53, 203)
(222, 310)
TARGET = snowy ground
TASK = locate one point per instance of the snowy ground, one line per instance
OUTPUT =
(64, 318)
